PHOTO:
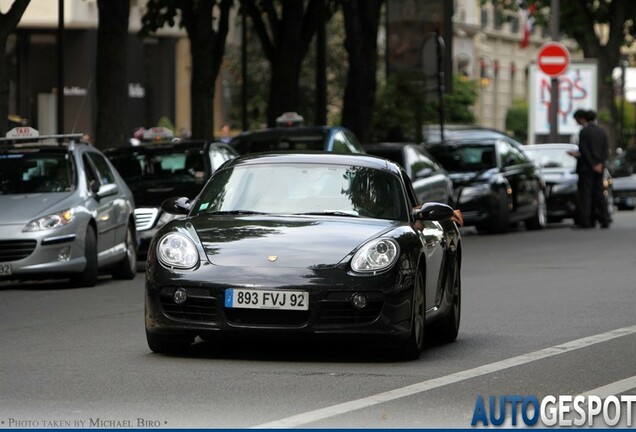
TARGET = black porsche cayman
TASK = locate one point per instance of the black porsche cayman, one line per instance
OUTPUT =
(311, 244)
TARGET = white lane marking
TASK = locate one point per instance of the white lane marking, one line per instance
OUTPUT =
(334, 410)
(614, 388)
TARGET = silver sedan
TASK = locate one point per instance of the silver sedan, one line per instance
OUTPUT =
(65, 212)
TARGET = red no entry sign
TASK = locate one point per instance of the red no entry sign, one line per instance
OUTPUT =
(553, 59)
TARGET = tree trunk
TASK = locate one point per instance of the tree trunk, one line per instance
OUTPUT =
(8, 23)
(362, 18)
(207, 48)
(111, 75)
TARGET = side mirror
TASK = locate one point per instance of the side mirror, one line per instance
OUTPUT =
(423, 173)
(107, 190)
(177, 206)
(433, 211)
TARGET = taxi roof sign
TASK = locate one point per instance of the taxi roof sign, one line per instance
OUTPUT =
(290, 119)
(157, 133)
(23, 132)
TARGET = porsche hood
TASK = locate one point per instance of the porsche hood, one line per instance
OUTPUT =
(286, 241)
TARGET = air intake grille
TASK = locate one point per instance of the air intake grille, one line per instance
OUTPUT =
(13, 250)
(145, 218)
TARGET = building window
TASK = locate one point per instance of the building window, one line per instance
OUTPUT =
(499, 19)
(484, 17)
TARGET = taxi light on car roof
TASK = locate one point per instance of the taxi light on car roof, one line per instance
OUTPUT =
(50, 221)
(376, 255)
(176, 250)
(23, 132)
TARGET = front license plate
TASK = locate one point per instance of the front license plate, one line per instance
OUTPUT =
(5, 269)
(264, 299)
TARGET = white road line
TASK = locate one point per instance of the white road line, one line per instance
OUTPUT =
(614, 388)
(334, 410)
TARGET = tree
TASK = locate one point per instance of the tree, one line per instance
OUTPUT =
(207, 47)
(8, 23)
(285, 29)
(111, 76)
(362, 20)
(581, 20)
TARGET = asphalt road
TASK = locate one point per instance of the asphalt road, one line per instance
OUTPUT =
(544, 313)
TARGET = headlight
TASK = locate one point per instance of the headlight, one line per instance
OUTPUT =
(54, 220)
(376, 255)
(563, 188)
(470, 192)
(177, 250)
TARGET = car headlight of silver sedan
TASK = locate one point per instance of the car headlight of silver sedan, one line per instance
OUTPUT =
(54, 220)
(376, 255)
(178, 251)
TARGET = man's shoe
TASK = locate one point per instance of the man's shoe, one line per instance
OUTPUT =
(604, 226)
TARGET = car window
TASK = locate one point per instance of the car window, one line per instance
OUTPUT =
(151, 165)
(353, 143)
(510, 155)
(36, 172)
(105, 174)
(549, 158)
(465, 157)
(305, 188)
(253, 144)
(420, 161)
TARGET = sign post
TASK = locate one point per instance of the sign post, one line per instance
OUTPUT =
(553, 60)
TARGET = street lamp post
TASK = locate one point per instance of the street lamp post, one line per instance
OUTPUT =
(60, 67)
(554, 84)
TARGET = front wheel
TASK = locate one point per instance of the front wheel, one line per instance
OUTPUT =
(540, 217)
(448, 328)
(88, 277)
(127, 267)
(412, 347)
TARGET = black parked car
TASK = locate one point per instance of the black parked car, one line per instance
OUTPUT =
(559, 172)
(157, 170)
(495, 182)
(305, 244)
(336, 139)
(430, 180)
(623, 170)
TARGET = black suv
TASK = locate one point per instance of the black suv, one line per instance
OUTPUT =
(158, 170)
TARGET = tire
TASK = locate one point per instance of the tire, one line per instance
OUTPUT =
(127, 267)
(501, 222)
(412, 347)
(162, 344)
(447, 328)
(88, 277)
(540, 217)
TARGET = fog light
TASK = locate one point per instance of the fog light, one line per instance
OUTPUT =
(358, 301)
(64, 254)
(180, 296)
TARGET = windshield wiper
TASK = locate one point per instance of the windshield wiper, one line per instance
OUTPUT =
(329, 213)
(234, 212)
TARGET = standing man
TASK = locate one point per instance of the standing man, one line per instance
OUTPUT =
(591, 159)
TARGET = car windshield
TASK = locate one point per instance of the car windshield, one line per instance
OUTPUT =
(552, 158)
(465, 158)
(305, 189)
(253, 144)
(624, 164)
(35, 171)
(184, 166)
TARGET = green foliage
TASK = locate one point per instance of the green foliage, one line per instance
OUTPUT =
(167, 123)
(517, 119)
